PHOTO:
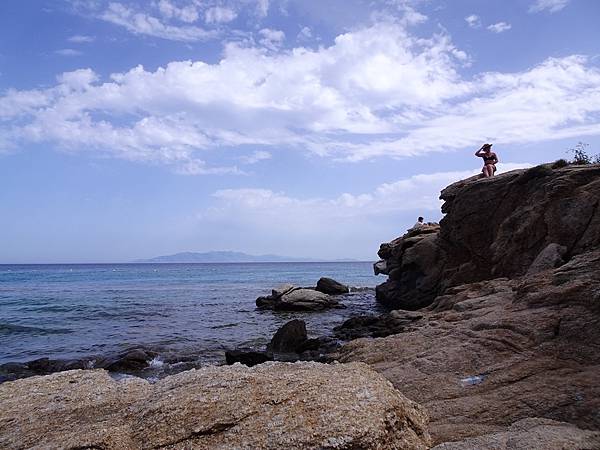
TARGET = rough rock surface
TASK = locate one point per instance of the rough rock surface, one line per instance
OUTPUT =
(529, 434)
(296, 299)
(272, 406)
(487, 354)
(331, 287)
(494, 227)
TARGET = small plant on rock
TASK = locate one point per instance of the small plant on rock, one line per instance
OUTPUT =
(580, 155)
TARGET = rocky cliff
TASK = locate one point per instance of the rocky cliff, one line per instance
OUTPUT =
(505, 348)
(505, 226)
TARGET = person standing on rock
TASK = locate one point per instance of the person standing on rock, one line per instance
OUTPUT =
(490, 159)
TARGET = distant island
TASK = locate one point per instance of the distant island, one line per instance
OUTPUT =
(229, 257)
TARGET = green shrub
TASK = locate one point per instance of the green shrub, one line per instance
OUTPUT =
(580, 156)
(560, 163)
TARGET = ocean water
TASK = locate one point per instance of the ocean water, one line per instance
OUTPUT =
(192, 310)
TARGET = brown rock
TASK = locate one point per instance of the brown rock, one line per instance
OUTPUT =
(531, 219)
(485, 355)
(528, 434)
(271, 406)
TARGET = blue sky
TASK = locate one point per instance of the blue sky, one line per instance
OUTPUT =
(316, 128)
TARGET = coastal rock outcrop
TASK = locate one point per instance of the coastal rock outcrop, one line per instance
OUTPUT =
(531, 219)
(272, 406)
(290, 298)
(487, 354)
(331, 287)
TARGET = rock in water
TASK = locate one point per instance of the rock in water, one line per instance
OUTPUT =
(289, 337)
(331, 287)
(272, 406)
(247, 358)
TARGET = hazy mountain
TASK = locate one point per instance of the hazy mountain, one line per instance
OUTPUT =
(224, 257)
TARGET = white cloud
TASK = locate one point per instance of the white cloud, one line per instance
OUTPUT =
(499, 27)
(262, 8)
(81, 39)
(143, 23)
(473, 20)
(218, 14)
(271, 39)
(188, 13)
(305, 34)
(68, 52)
(549, 5)
(375, 92)
(280, 222)
(256, 156)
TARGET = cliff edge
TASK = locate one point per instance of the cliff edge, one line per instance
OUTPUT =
(505, 347)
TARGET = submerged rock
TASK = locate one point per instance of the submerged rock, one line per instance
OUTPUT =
(272, 406)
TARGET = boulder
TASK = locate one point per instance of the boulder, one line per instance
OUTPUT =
(305, 300)
(132, 360)
(271, 406)
(289, 337)
(375, 326)
(331, 287)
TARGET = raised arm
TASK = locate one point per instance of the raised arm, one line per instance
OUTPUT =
(478, 152)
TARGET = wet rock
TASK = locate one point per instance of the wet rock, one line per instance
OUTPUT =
(130, 361)
(331, 287)
(289, 337)
(247, 358)
(297, 299)
(375, 326)
(271, 406)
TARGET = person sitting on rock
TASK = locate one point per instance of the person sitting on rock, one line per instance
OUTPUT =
(490, 159)
(419, 224)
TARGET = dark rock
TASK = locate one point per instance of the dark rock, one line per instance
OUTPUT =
(502, 226)
(248, 358)
(331, 287)
(130, 361)
(289, 337)
(375, 326)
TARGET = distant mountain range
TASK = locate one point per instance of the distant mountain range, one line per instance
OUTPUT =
(228, 257)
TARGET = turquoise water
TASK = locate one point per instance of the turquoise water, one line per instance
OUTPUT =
(73, 311)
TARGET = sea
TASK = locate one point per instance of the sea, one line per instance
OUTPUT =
(181, 311)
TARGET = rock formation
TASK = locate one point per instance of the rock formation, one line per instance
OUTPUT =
(291, 298)
(272, 406)
(495, 227)
(509, 296)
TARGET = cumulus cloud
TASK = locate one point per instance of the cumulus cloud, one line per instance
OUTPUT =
(473, 21)
(499, 27)
(377, 91)
(271, 39)
(187, 13)
(548, 5)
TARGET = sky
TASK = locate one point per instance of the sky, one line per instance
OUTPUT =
(305, 128)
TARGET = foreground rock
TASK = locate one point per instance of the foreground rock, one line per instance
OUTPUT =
(522, 221)
(487, 354)
(290, 298)
(272, 406)
(539, 434)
